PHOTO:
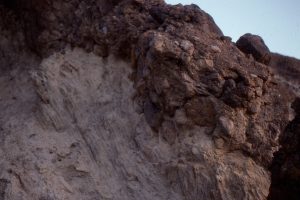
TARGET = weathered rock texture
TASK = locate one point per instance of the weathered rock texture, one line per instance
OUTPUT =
(255, 46)
(286, 165)
(285, 68)
(131, 100)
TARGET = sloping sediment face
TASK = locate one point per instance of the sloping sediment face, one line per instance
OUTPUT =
(74, 140)
(131, 100)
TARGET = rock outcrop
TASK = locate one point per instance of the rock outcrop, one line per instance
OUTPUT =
(255, 46)
(286, 165)
(131, 99)
(285, 68)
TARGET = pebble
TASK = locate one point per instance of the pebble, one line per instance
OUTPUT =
(219, 142)
(216, 49)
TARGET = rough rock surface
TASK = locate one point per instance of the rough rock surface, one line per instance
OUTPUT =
(131, 99)
(285, 68)
(255, 46)
(286, 165)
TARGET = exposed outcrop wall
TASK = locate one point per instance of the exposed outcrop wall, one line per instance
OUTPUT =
(285, 68)
(286, 165)
(72, 135)
(133, 100)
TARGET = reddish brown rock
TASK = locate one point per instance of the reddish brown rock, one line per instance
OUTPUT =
(150, 97)
(254, 45)
(286, 164)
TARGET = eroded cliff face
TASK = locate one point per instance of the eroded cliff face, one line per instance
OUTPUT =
(131, 100)
(286, 164)
(285, 68)
(285, 167)
(74, 136)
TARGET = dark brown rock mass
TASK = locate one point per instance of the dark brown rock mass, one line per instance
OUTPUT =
(286, 69)
(286, 164)
(132, 99)
(255, 46)
(285, 167)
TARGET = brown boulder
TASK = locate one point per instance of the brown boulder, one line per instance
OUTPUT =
(254, 45)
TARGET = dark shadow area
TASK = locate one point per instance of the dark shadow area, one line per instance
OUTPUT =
(12, 4)
(285, 168)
